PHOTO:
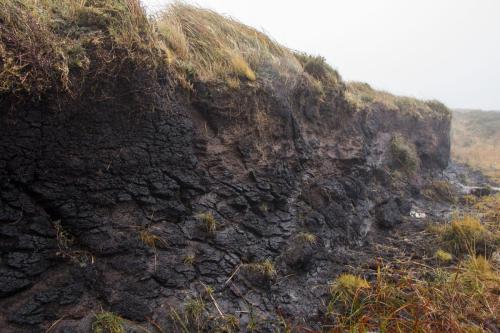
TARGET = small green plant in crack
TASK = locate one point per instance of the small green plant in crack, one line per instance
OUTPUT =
(107, 322)
(65, 243)
(64, 239)
(264, 207)
(192, 317)
(443, 256)
(307, 238)
(189, 259)
(209, 221)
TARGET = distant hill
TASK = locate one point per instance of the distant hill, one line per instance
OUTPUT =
(475, 139)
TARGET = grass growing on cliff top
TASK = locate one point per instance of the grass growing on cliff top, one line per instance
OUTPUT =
(57, 45)
(216, 47)
(111, 51)
(363, 96)
(70, 47)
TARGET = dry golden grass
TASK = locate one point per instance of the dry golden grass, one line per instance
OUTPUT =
(218, 47)
(209, 222)
(264, 268)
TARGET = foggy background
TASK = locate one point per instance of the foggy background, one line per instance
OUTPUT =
(443, 49)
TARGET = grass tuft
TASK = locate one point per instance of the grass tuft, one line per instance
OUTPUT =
(307, 238)
(209, 222)
(264, 268)
(107, 322)
(443, 256)
(405, 299)
(466, 235)
(346, 286)
(404, 154)
(151, 239)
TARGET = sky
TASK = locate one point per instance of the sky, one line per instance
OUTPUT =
(433, 49)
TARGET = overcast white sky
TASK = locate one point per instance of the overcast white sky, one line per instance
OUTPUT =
(443, 49)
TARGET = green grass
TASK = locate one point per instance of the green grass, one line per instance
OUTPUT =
(443, 256)
(363, 95)
(107, 322)
(404, 154)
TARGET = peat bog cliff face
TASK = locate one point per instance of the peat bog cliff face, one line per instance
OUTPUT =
(250, 193)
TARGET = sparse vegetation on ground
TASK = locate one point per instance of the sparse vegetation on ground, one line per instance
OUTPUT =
(453, 294)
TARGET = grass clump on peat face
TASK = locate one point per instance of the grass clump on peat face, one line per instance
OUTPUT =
(264, 268)
(404, 154)
(307, 238)
(107, 322)
(439, 190)
(209, 222)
